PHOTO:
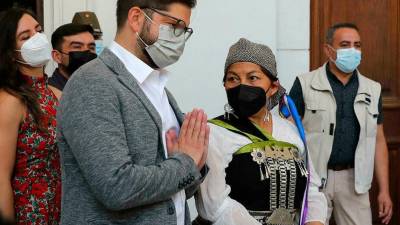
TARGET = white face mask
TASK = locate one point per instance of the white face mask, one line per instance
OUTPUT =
(168, 48)
(36, 51)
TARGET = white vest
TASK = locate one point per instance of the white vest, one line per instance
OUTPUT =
(320, 121)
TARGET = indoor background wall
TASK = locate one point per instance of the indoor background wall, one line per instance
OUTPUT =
(196, 79)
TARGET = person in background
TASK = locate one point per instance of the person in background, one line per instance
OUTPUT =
(129, 155)
(30, 176)
(90, 18)
(259, 173)
(342, 115)
(73, 46)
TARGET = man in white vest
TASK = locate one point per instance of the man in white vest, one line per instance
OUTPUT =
(342, 115)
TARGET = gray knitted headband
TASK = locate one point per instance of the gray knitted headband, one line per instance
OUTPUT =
(247, 51)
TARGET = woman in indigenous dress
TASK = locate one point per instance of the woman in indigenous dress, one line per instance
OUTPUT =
(30, 179)
(259, 172)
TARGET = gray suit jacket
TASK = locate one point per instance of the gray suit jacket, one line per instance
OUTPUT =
(114, 170)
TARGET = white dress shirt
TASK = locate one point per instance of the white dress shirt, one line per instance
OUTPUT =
(214, 203)
(153, 82)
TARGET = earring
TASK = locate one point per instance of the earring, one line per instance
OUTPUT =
(228, 111)
(267, 116)
(268, 104)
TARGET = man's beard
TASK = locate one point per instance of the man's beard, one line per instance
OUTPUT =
(146, 38)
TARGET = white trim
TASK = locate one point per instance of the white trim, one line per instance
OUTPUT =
(58, 13)
(52, 15)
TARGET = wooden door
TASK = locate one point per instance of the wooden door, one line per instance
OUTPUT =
(379, 24)
(35, 6)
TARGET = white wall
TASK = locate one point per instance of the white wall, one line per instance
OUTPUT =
(59, 12)
(197, 78)
(281, 24)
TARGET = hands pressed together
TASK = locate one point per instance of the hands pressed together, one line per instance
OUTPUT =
(192, 139)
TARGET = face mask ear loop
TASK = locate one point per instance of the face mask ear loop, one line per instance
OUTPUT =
(19, 61)
(138, 36)
(331, 47)
(147, 17)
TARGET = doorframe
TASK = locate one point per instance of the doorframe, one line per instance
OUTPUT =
(40, 11)
(315, 37)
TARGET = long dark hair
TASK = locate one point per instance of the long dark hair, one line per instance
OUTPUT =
(11, 80)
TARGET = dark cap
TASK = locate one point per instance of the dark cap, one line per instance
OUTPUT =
(88, 18)
(247, 51)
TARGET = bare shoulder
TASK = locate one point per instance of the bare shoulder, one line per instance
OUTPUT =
(56, 92)
(11, 107)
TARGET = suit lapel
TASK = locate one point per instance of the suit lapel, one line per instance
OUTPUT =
(179, 115)
(128, 80)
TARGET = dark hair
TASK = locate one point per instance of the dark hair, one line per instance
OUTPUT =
(331, 30)
(123, 7)
(69, 29)
(11, 80)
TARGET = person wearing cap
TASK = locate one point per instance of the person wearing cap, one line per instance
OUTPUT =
(73, 46)
(90, 18)
(342, 113)
(258, 168)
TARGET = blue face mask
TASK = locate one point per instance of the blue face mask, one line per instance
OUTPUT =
(99, 46)
(348, 59)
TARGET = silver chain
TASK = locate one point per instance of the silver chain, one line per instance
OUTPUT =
(292, 184)
(283, 183)
(273, 195)
(285, 166)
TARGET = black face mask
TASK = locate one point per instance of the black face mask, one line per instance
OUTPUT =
(246, 100)
(77, 59)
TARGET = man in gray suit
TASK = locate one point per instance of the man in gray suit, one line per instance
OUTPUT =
(128, 154)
